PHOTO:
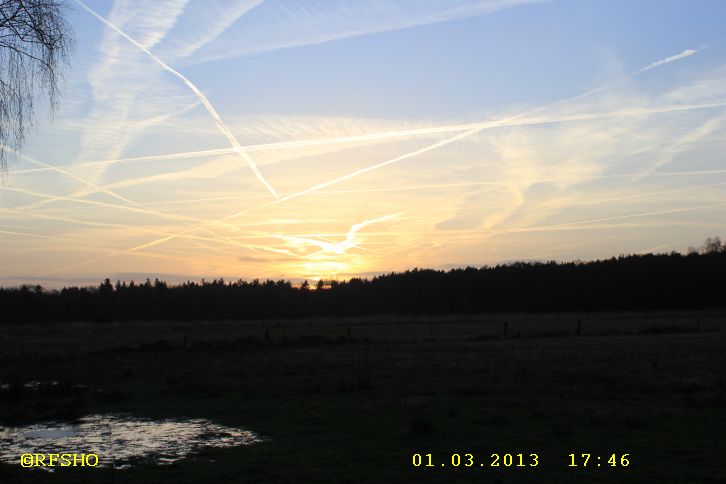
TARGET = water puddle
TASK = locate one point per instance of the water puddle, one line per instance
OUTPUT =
(120, 440)
(40, 386)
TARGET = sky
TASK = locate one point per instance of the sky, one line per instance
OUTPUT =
(336, 138)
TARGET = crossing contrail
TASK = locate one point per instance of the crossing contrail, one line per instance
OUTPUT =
(221, 240)
(389, 134)
(363, 137)
(140, 208)
(276, 146)
(513, 120)
(135, 206)
(207, 104)
(478, 128)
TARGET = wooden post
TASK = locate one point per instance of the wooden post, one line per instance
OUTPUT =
(506, 328)
(350, 336)
(698, 324)
(579, 327)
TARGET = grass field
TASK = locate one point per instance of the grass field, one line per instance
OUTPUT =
(353, 400)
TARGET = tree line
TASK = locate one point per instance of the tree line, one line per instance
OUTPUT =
(696, 280)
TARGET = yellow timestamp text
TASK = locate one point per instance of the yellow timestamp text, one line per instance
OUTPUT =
(594, 460)
(473, 460)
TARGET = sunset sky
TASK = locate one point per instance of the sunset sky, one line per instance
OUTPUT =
(331, 138)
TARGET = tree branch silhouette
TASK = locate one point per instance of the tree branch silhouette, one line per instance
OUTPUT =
(36, 41)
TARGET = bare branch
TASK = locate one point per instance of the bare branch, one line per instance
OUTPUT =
(35, 44)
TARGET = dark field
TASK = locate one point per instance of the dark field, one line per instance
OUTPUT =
(353, 400)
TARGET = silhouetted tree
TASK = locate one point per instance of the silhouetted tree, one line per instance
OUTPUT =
(712, 245)
(35, 42)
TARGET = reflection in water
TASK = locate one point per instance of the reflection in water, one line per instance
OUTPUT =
(120, 439)
(37, 385)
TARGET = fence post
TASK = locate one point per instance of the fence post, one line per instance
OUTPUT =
(506, 328)
(579, 327)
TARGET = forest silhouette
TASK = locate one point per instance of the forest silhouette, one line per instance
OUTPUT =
(635, 282)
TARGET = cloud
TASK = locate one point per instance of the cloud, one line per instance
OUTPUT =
(339, 248)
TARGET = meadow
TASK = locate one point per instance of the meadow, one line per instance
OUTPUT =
(352, 400)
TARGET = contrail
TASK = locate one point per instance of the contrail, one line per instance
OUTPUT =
(26, 234)
(165, 156)
(354, 138)
(649, 194)
(506, 122)
(578, 203)
(511, 121)
(667, 60)
(141, 208)
(84, 181)
(96, 204)
(323, 26)
(320, 186)
(394, 134)
(475, 128)
(219, 239)
(65, 219)
(430, 186)
(208, 105)
(337, 192)
(566, 225)
(227, 241)
(616, 217)
(402, 133)
(276, 146)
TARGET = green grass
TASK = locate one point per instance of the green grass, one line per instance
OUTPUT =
(340, 410)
